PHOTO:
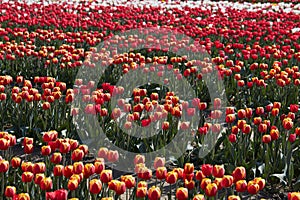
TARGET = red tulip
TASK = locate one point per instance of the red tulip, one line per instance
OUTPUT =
(154, 193)
(182, 193)
(95, 186)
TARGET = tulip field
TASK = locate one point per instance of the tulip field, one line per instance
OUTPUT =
(149, 100)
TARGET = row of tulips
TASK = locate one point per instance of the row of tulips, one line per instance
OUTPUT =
(57, 178)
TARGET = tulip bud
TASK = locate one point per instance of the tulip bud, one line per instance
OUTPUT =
(241, 186)
(4, 165)
(73, 184)
(159, 162)
(95, 186)
(204, 182)
(68, 171)
(200, 176)
(252, 188)
(260, 181)
(161, 173)
(39, 168)
(182, 193)
(239, 174)
(58, 170)
(103, 152)
(189, 184)
(293, 195)
(15, 162)
(112, 156)
(234, 197)
(207, 169)
(106, 176)
(78, 167)
(89, 169)
(46, 150)
(46, 184)
(218, 171)
(211, 189)
(139, 159)
(27, 177)
(56, 158)
(99, 166)
(171, 177)
(189, 168)
(10, 191)
(154, 193)
(22, 196)
(141, 192)
(227, 181)
(199, 197)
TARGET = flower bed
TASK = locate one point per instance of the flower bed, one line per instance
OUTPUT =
(193, 102)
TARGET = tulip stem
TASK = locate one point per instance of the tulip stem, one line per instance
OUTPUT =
(95, 196)
(170, 190)
(2, 187)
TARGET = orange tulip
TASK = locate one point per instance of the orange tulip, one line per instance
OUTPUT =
(188, 168)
